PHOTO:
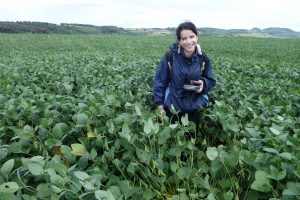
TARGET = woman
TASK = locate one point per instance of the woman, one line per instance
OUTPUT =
(183, 77)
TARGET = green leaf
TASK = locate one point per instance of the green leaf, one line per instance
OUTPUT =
(115, 190)
(181, 189)
(81, 119)
(44, 190)
(228, 195)
(230, 124)
(203, 182)
(56, 189)
(104, 195)
(261, 182)
(9, 196)
(176, 151)
(131, 167)
(7, 167)
(66, 150)
(126, 134)
(28, 130)
(147, 128)
(78, 149)
(184, 172)
(81, 175)
(3, 153)
(27, 197)
(211, 196)
(9, 187)
(35, 169)
(216, 166)
(148, 195)
(93, 154)
(173, 126)
(44, 122)
(38, 159)
(83, 161)
(211, 153)
(68, 87)
(155, 128)
(218, 103)
(286, 155)
(87, 184)
(111, 126)
(20, 146)
(164, 135)
(206, 182)
(101, 194)
(275, 131)
(275, 174)
(270, 150)
(185, 120)
(143, 155)
(137, 110)
(293, 189)
(128, 190)
(58, 130)
(174, 167)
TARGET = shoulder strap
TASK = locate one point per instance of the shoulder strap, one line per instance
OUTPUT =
(202, 66)
(169, 56)
(169, 59)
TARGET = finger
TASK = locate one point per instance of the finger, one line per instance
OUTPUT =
(200, 89)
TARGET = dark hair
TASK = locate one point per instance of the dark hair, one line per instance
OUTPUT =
(185, 26)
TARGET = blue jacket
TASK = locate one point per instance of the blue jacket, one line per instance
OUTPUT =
(168, 84)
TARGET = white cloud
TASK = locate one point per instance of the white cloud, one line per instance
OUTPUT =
(157, 13)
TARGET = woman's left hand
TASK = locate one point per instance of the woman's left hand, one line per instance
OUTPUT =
(200, 83)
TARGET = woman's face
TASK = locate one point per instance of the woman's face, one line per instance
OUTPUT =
(188, 41)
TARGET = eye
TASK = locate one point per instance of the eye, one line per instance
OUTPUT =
(183, 38)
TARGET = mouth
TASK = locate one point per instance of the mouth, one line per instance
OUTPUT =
(190, 46)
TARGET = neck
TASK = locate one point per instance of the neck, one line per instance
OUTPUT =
(188, 54)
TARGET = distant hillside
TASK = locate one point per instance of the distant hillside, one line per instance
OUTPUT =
(65, 28)
(281, 32)
(268, 32)
(275, 32)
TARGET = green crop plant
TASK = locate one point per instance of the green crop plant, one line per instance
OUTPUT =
(77, 121)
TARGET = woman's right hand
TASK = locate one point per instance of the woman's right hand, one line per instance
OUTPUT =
(162, 113)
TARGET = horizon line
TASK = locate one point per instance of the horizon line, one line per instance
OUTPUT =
(75, 23)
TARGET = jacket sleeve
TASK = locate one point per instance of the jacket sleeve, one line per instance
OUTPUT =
(208, 77)
(161, 81)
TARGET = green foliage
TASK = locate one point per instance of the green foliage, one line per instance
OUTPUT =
(77, 121)
(64, 28)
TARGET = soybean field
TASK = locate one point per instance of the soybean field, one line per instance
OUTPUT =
(77, 121)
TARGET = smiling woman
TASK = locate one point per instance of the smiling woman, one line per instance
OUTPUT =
(188, 40)
(184, 84)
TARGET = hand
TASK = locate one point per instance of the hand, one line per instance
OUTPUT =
(200, 83)
(162, 113)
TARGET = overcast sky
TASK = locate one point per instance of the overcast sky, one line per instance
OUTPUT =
(157, 13)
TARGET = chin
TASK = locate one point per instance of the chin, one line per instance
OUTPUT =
(191, 50)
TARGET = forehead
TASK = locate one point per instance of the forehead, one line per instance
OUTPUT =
(187, 33)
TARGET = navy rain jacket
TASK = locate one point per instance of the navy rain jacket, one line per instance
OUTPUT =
(168, 84)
